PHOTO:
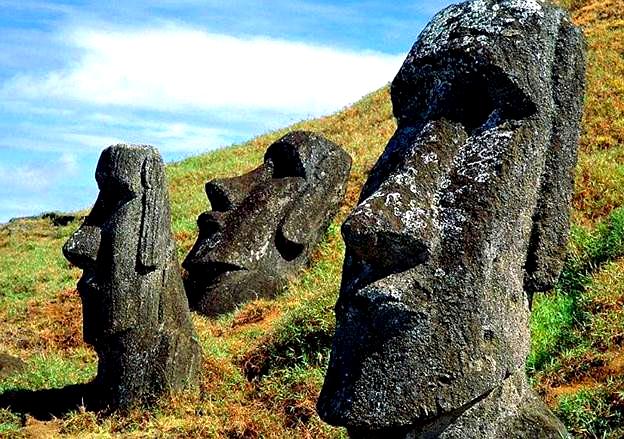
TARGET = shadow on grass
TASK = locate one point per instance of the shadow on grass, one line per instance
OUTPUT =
(47, 404)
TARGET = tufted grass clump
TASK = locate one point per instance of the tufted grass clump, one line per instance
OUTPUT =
(595, 412)
(10, 424)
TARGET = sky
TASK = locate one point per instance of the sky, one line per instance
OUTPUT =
(186, 76)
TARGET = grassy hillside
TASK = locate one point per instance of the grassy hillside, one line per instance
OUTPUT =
(264, 363)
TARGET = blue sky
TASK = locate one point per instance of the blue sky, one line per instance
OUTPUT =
(186, 76)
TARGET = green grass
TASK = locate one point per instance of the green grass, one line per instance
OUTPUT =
(302, 338)
(552, 318)
(596, 413)
(40, 261)
(48, 371)
(557, 315)
(10, 424)
(578, 340)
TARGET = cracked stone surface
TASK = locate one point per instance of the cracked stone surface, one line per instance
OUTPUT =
(135, 310)
(264, 224)
(462, 219)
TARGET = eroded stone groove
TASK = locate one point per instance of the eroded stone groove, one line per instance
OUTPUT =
(462, 219)
(264, 224)
(135, 310)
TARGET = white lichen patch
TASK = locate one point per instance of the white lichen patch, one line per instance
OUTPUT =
(484, 17)
(479, 6)
(257, 255)
(481, 156)
(526, 8)
(410, 214)
(393, 198)
(452, 221)
(414, 217)
(430, 157)
(384, 292)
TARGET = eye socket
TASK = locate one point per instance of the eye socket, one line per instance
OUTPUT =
(473, 97)
(226, 193)
(460, 90)
(113, 190)
(286, 160)
(109, 200)
(469, 102)
(116, 196)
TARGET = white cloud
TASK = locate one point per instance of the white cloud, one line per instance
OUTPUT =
(174, 68)
(37, 177)
(179, 136)
(68, 163)
(167, 136)
(88, 141)
(89, 132)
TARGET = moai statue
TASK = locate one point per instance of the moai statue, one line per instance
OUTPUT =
(264, 224)
(462, 219)
(135, 311)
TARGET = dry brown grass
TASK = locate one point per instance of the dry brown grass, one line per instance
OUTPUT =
(600, 174)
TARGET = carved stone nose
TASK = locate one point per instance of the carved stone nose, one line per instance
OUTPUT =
(383, 244)
(222, 194)
(82, 247)
(210, 224)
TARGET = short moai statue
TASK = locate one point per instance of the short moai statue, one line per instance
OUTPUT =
(135, 311)
(462, 219)
(264, 224)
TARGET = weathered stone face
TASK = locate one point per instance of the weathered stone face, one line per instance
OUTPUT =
(135, 312)
(463, 217)
(264, 224)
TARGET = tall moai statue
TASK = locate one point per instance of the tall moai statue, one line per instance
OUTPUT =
(135, 311)
(264, 225)
(462, 219)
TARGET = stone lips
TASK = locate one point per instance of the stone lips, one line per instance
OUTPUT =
(135, 311)
(264, 224)
(462, 219)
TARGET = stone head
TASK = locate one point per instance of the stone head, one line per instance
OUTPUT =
(264, 224)
(123, 243)
(454, 218)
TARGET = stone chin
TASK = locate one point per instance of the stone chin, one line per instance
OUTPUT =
(100, 320)
(212, 295)
(398, 359)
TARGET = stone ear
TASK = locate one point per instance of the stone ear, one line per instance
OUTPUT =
(154, 227)
(309, 214)
(551, 219)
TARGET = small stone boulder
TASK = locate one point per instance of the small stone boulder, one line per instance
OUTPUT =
(264, 224)
(135, 311)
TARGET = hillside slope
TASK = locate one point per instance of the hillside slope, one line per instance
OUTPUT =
(264, 363)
